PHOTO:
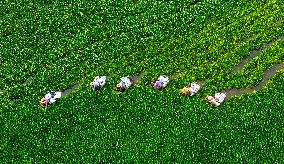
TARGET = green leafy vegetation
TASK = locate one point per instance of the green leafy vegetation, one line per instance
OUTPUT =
(52, 45)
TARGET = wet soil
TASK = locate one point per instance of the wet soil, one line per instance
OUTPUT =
(232, 92)
(268, 74)
(254, 54)
(136, 79)
(69, 90)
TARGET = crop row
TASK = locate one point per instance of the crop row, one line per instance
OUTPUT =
(47, 41)
(142, 124)
(175, 56)
(68, 51)
(100, 123)
(169, 56)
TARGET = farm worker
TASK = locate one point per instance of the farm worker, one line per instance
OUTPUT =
(50, 98)
(220, 97)
(161, 82)
(213, 101)
(98, 82)
(125, 83)
(217, 99)
(191, 90)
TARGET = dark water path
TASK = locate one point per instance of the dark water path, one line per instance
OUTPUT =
(254, 54)
(268, 74)
(232, 92)
(69, 90)
(136, 79)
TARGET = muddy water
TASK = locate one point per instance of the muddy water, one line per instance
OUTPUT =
(267, 75)
(254, 54)
(69, 90)
(136, 79)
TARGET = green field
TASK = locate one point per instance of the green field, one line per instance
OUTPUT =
(52, 45)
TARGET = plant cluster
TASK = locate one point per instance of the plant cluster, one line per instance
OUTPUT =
(51, 45)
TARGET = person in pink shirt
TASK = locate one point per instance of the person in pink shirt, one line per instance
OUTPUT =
(217, 100)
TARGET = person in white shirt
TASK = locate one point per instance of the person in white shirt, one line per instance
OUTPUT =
(98, 82)
(191, 90)
(125, 83)
(220, 97)
(217, 100)
(50, 98)
(161, 82)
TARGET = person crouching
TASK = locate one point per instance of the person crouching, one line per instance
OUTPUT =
(125, 83)
(161, 82)
(50, 98)
(98, 82)
(217, 100)
(191, 90)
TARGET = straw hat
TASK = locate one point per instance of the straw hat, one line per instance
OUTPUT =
(186, 90)
(210, 98)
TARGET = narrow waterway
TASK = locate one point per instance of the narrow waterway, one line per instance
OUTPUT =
(268, 74)
(254, 54)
